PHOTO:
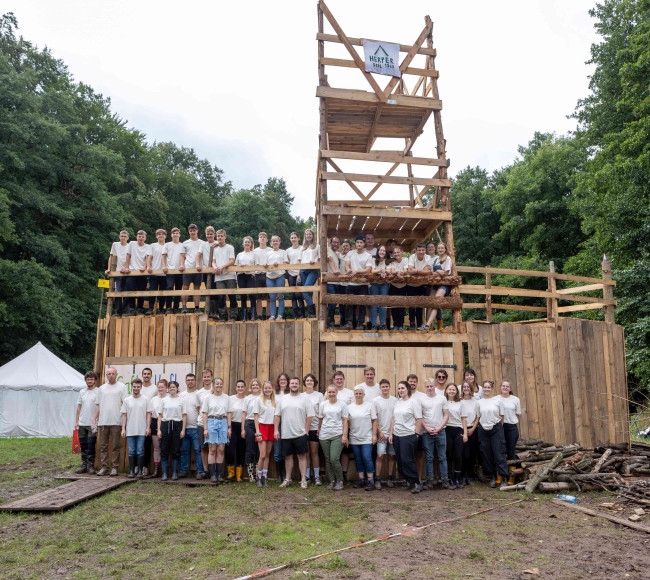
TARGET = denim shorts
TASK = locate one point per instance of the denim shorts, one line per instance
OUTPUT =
(217, 431)
(382, 447)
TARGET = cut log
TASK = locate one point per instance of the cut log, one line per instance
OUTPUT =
(555, 486)
(604, 457)
(594, 513)
(543, 473)
(516, 487)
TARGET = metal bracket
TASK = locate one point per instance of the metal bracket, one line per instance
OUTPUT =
(335, 366)
(440, 366)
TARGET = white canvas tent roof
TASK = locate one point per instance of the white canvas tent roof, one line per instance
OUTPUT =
(38, 394)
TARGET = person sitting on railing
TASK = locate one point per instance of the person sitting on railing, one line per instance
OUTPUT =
(223, 256)
(342, 253)
(398, 267)
(275, 278)
(159, 281)
(441, 267)
(357, 262)
(118, 249)
(294, 254)
(381, 262)
(308, 276)
(246, 279)
(192, 258)
(260, 277)
(171, 260)
(333, 267)
(419, 264)
(433, 254)
(138, 257)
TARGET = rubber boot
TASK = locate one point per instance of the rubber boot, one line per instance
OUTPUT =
(279, 467)
(174, 469)
(213, 472)
(131, 466)
(238, 471)
(231, 473)
(511, 477)
(217, 467)
(498, 479)
(460, 481)
(439, 324)
(163, 466)
(156, 470)
(244, 314)
(250, 468)
(140, 465)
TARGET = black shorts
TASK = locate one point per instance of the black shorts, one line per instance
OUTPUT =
(313, 436)
(195, 279)
(260, 282)
(201, 436)
(297, 446)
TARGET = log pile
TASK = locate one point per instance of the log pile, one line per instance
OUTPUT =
(547, 467)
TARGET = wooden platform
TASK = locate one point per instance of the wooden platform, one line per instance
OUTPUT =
(67, 495)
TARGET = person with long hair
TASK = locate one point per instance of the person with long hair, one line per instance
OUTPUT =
(490, 435)
(308, 276)
(216, 430)
(384, 405)
(236, 448)
(249, 430)
(468, 410)
(404, 429)
(511, 415)
(441, 266)
(333, 435)
(456, 430)
(471, 380)
(156, 408)
(294, 253)
(264, 416)
(398, 267)
(333, 267)
(363, 435)
(275, 278)
(281, 390)
(247, 280)
(171, 429)
(310, 382)
(381, 262)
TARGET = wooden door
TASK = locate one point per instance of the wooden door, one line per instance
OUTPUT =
(351, 360)
(423, 361)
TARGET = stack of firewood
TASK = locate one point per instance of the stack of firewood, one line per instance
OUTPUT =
(546, 467)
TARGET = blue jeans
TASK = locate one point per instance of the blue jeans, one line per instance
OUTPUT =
(363, 459)
(438, 441)
(276, 283)
(378, 290)
(191, 440)
(308, 278)
(136, 445)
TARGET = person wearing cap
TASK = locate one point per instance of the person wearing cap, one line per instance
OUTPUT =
(357, 262)
(192, 258)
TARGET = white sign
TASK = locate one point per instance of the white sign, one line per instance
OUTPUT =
(382, 57)
(170, 371)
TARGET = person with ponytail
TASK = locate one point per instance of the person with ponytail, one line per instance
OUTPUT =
(456, 431)
(216, 430)
(249, 430)
(490, 435)
(264, 417)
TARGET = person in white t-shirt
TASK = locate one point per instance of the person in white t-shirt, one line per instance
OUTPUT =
(260, 277)
(294, 255)
(118, 249)
(362, 418)
(380, 265)
(246, 280)
(404, 429)
(384, 405)
(490, 435)
(236, 447)
(138, 259)
(202, 393)
(192, 258)
(357, 262)
(249, 430)
(171, 260)
(171, 429)
(333, 267)
(308, 276)
(215, 427)
(310, 384)
(398, 267)
(470, 378)
(157, 282)
(84, 423)
(135, 426)
(264, 417)
(275, 278)
(370, 244)
(346, 396)
(469, 410)
(191, 441)
(511, 416)
(149, 391)
(456, 431)
(419, 265)
(156, 408)
(441, 266)
(108, 419)
(296, 412)
(333, 434)
(223, 256)
(281, 390)
(370, 387)
(435, 414)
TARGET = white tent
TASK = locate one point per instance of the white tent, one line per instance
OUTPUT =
(38, 395)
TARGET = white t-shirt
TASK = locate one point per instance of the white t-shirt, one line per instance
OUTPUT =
(192, 248)
(401, 266)
(265, 412)
(384, 409)
(345, 395)
(138, 255)
(315, 398)
(332, 416)
(440, 393)
(87, 399)
(294, 410)
(372, 252)
(489, 412)
(156, 256)
(360, 417)
(215, 405)
(171, 409)
(119, 250)
(279, 256)
(221, 256)
(419, 265)
(371, 392)
(294, 255)
(433, 410)
(249, 405)
(310, 255)
(260, 256)
(173, 252)
(246, 259)
(150, 392)
(190, 408)
(110, 399)
(469, 409)
(359, 261)
(446, 265)
(335, 259)
(342, 257)
(455, 414)
(511, 408)
(156, 406)
(206, 248)
(478, 394)
(136, 414)
(236, 406)
(405, 413)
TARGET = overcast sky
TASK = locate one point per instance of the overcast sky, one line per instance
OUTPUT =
(237, 81)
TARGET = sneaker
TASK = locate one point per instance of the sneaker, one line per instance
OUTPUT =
(331, 485)
(338, 486)
(347, 326)
(102, 471)
(390, 483)
(428, 484)
(317, 481)
(113, 472)
(145, 471)
(286, 483)
(201, 475)
(91, 470)
(279, 318)
(425, 327)
(445, 484)
(468, 481)
(417, 488)
(452, 484)
(148, 312)
(184, 310)
(377, 485)
(271, 317)
(359, 484)
(370, 486)
(383, 327)
(411, 327)
(82, 469)
(493, 483)
(303, 484)
(259, 482)
(182, 474)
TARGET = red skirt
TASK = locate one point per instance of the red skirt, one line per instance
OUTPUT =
(267, 432)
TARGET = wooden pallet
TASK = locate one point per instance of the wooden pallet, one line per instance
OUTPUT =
(67, 495)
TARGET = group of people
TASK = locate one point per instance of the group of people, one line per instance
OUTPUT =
(456, 433)
(215, 263)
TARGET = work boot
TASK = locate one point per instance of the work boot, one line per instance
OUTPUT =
(260, 483)
(83, 468)
(265, 481)
(389, 482)
(311, 311)
(238, 472)
(231, 473)
(493, 482)
(131, 466)
(460, 482)
(213, 472)
(91, 468)
(446, 484)
(330, 320)
(156, 470)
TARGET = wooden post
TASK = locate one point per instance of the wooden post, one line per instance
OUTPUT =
(608, 291)
(208, 283)
(111, 288)
(488, 297)
(551, 303)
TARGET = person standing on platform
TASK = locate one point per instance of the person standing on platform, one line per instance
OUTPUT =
(156, 409)
(398, 267)
(380, 265)
(149, 391)
(404, 429)
(216, 430)
(236, 448)
(264, 417)
(384, 406)
(419, 265)
(310, 384)
(296, 412)
(135, 427)
(468, 410)
(171, 260)
(294, 255)
(275, 278)
(246, 280)
(511, 416)
(490, 436)
(333, 267)
(223, 256)
(357, 262)
(260, 277)
(108, 419)
(310, 257)
(202, 394)
(84, 423)
(249, 430)
(159, 281)
(118, 249)
(344, 250)
(206, 263)
(333, 434)
(192, 258)
(138, 258)
(190, 410)
(371, 389)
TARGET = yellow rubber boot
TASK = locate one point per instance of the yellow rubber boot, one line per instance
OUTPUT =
(499, 480)
(231, 473)
(511, 477)
(239, 472)
(439, 324)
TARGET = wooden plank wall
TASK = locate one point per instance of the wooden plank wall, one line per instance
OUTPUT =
(570, 376)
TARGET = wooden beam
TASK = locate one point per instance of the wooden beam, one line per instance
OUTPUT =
(577, 289)
(505, 291)
(534, 273)
(353, 53)
(408, 278)
(580, 307)
(364, 178)
(445, 302)
(352, 185)
(402, 337)
(373, 129)
(384, 157)
(368, 97)
(224, 292)
(482, 305)
(359, 42)
(341, 62)
(406, 212)
(608, 292)
(268, 268)
(149, 360)
(613, 519)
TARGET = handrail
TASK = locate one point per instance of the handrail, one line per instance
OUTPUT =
(210, 270)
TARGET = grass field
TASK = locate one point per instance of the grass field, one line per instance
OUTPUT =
(151, 530)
